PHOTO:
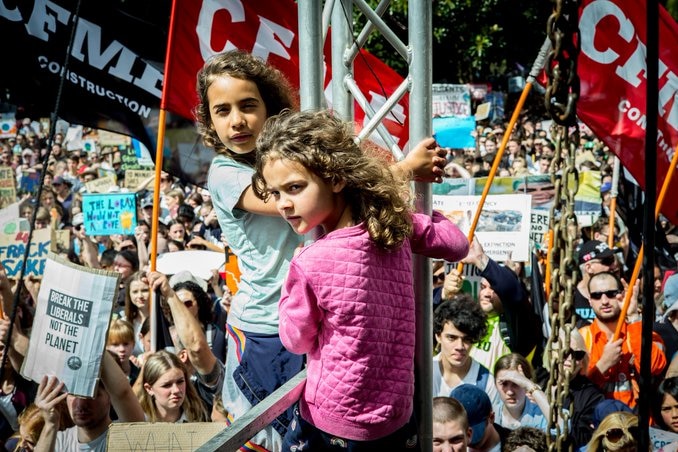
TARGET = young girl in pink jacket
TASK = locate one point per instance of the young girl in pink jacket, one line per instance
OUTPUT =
(348, 300)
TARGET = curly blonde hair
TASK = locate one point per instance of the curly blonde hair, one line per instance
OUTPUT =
(325, 146)
(618, 420)
(275, 90)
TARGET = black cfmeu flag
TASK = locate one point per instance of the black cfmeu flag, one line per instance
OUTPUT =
(115, 68)
(630, 205)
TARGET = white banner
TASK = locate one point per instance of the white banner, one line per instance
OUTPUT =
(71, 321)
(504, 225)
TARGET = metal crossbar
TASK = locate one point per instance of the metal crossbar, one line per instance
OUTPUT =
(262, 414)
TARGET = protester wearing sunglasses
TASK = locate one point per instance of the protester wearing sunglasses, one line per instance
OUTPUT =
(583, 396)
(617, 432)
(594, 257)
(615, 365)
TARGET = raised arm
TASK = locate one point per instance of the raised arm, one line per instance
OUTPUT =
(187, 326)
(123, 399)
(47, 399)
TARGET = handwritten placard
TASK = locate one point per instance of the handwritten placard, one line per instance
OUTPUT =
(134, 178)
(13, 248)
(101, 184)
(159, 436)
(109, 213)
(7, 187)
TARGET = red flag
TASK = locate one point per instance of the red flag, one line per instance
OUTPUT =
(612, 68)
(268, 30)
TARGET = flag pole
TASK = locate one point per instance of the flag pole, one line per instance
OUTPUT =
(639, 259)
(534, 72)
(614, 191)
(158, 173)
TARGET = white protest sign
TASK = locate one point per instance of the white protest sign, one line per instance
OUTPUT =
(663, 440)
(503, 227)
(539, 226)
(72, 314)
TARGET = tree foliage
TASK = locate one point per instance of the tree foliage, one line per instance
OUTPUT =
(473, 40)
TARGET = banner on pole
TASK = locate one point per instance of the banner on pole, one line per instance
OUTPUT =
(612, 71)
(72, 314)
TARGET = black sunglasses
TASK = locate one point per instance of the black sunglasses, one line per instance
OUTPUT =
(613, 435)
(440, 277)
(578, 355)
(608, 293)
(607, 261)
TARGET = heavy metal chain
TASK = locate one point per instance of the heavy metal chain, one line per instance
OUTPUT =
(561, 98)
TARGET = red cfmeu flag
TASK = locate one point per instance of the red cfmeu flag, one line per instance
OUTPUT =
(267, 30)
(612, 69)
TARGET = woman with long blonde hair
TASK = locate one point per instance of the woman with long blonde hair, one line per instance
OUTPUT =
(166, 393)
(617, 432)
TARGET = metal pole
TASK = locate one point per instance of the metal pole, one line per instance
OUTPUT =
(342, 67)
(420, 115)
(310, 55)
(649, 219)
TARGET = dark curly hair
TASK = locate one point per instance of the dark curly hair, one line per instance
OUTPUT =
(326, 147)
(205, 312)
(465, 314)
(525, 436)
(275, 90)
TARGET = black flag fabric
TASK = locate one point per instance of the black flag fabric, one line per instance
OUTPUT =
(113, 78)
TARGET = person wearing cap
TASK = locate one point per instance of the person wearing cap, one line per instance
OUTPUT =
(593, 257)
(451, 431)
(485, 434)
(668, 327)
(615, 364)
(62, 187)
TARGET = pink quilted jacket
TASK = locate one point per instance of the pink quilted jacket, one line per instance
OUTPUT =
(350, 307)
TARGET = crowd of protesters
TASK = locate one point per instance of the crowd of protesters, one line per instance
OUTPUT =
(490, 369)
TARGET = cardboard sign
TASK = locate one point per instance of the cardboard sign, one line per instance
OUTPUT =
(110, 213)
(107, 138)
(13, 247)
(72, 314)
(7, 187)
(101, 184)
(164, 436)
(504, 225)
(134, 178)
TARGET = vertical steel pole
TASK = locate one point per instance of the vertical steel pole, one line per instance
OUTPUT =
(310, 54)
(421, 65)
(342, 38)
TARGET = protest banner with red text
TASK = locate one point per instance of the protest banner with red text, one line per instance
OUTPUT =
(612, 69)
(269, 31)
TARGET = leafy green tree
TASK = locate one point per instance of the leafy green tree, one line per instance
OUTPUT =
(473, 40)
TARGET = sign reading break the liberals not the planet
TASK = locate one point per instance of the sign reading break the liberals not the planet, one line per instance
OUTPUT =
(71, 319)
(109, 213)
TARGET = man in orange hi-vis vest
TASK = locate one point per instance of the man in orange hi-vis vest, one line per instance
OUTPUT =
(615, 365)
